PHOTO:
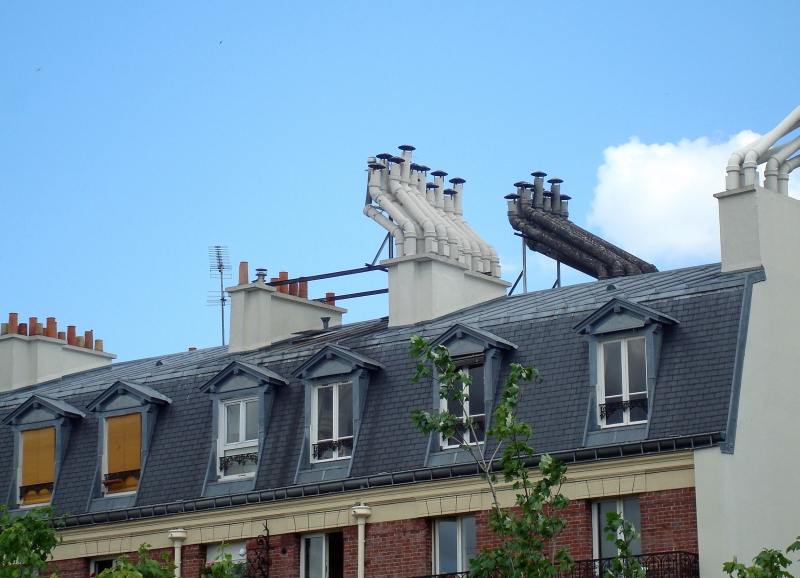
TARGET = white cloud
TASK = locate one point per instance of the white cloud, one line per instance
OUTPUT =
(656, 200)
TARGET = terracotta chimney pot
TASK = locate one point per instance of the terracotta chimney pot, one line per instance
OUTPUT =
(62, 335)
(71, 340)
(80, 341)
(3, 328)
(330, 299)
(294, 289)
(22, 329)
(243, 273)
(51, 329)
(98, 345)
(302, 291)
(13, 320)
(39, 329)
(32, 325)
(89, 339)
(192, 349)
(283, 276)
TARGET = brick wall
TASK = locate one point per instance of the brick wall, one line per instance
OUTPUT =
(75, 568)
(398, 549)
(669, 520)
(192, 559)
(284, 555)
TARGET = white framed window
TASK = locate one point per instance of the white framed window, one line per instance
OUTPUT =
(322, 555)
(474, 407)
(454, 544)
(238, 437)
(622, 381)
(97, 565)
(122, 454)
(332, 421)
(628, 508)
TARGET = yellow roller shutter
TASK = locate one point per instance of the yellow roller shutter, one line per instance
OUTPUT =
(124, 446)
(38, 463)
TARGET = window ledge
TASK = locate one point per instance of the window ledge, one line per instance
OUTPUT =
(228, 486)
(324, 471)
(449, 456)
(113, 502)
(616, 434)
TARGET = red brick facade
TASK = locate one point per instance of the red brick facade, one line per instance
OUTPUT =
(402, 549)
(669, 521)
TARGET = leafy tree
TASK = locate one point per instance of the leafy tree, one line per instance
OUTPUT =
(27, 541)
(623, 534)
(767, 564)
(223, 566)
(144, 568)
(526, 532)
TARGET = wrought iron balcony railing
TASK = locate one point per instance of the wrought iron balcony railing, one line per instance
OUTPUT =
(658, 565)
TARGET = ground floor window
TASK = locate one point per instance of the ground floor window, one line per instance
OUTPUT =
(97, 565)
(453, 544)
(628, 508)
(322, 555)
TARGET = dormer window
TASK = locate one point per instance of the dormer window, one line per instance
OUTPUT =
(474, 407)
(241, 397)
(332, 426)
(335, 380)
(622, 367)
(624, 346)
(41, 428)
(238, 452)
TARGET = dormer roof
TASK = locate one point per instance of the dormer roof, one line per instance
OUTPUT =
(619, 315)
(479, 337)
(49, 408)
(337, 360)
(132, 393)
(251, 372)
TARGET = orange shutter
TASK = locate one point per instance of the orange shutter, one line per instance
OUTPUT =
(38, 462)
(124, 446)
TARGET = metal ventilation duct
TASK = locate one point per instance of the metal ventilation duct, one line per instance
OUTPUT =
(542, 218)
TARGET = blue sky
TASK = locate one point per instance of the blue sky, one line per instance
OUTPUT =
(153, 130)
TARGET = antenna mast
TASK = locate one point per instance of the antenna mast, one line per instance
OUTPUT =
(220, 267)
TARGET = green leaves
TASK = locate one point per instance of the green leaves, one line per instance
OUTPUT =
(223, 566)
(144, 568)
(767, 564)
(623, 534)
(527, 530)
(27, 541)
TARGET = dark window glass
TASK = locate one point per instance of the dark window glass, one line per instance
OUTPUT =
(345, 410)
(637, 366)
(251, 426)
(612, 368)
(335, 555)
(447, 537)
(468, 541)
(325, 413)
(314, 561)
(232, 421)
(631, 512)
(476, 391)
(607, 547)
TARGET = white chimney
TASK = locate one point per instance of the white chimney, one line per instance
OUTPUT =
(31, 354)
(262, 314)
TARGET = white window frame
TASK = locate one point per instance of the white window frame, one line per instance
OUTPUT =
(325, 552)
(222, 446)
(443, 407)
(601, 394)
(93, 562)
(104, 488)
(596, 522)
(463, 565)
(315, 416)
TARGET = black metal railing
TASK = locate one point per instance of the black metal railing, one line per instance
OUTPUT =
(610, 408)
(112, 478)
(242, 459)
(35, 488)
(318, 449)
(657, 565)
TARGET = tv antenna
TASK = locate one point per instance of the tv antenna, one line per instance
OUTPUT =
(220, 266)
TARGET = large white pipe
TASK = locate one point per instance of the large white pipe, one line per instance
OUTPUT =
(396, 175)
(490, 258)
(407, 226)
(361, 513)
(470, 248)
(783, 174)
(459, 244)
(778, 156)
(177, 536)
(418, 196)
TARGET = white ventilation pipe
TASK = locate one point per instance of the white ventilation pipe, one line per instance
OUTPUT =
(394, 230)
(460, 247)
(419, 197)
(361, 513)
(783, 174)
(491, 261)
(744, 162)
(178, 535)
(400, 193)
(777, 157)
(378, 194)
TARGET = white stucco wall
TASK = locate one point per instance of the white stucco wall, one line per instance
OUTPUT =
(750, 499)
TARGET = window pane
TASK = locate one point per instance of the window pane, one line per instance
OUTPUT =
(232, 423)
(607, 547)
(314, 557)
(637, 366)
(476, 391)
(447, 542)
(615, 412)
(468, 539)
(478, 426)
(631, 512)
(335, 555)
(638, 409)
(251, 425)
(612, 368)
(454, 407)
(247, 466)
(345, 410)
(324, 413)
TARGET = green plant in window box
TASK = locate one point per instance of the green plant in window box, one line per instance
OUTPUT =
(223, 566)
(144, 568)
(526, 531)
(26, 542)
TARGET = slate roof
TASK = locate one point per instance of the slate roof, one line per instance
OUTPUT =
(692, 393)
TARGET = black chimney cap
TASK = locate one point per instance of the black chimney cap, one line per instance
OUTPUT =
(377, 166)
(566, 198)
(384, 156)
(397, 160)
(415, 167)
(439, 174)
(555, 181)
(512, 197)
(547, 193)
(450, 192)
(431, 186)
(423, 168)
(407, 148)
(458, 180)
(522, 184)
(539, 174)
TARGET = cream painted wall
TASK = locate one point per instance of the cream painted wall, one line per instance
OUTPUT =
(750, 499)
